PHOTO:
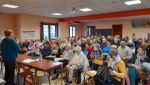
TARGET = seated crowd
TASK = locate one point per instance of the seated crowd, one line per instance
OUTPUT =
(79, 52)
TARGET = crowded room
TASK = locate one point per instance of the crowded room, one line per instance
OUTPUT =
(74, 42)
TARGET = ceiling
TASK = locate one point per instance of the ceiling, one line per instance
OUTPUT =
(47, 7)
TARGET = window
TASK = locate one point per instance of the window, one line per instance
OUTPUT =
(49, 31)
(45, 31)
(88, 31)
(72, 31)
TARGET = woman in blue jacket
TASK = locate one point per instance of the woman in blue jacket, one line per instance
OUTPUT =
(9, 49)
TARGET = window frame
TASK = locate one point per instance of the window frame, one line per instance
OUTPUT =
(49, 30)
(72, 31)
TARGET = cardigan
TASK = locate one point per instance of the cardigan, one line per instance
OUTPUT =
(120, 68)
(9, 49)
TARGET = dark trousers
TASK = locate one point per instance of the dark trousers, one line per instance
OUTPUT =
(112, 81)
(9, 71)
(65, 62)
(93, 66)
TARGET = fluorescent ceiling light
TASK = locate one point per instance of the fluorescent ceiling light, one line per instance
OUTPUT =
(57, 14)
(10, 6)
(132, 2)
(85, 9)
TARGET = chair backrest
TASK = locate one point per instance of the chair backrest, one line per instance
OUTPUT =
(40, 79)
(85, 52)
(97, 61)
(19, 65)
(27, 71)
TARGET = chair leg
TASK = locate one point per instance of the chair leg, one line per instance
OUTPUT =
(24, 81)
(92, 81)
(17, 79)
(2, 67)
(84, 78)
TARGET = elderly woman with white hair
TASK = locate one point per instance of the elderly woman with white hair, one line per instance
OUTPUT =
(75, 63)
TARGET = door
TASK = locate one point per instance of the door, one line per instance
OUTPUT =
(117, 30)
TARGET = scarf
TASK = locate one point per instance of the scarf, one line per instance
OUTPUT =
(114, 61)
(96, 54)
(139, 59)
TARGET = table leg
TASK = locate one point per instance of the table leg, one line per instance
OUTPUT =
(48, 77)
(61, 74)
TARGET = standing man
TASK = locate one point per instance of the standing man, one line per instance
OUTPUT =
(9, 49)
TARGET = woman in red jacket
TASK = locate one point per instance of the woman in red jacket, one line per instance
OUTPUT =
(89, 49)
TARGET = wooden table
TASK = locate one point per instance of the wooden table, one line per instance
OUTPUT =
(42, 64)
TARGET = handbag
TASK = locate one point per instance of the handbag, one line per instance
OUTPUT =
(102, 74)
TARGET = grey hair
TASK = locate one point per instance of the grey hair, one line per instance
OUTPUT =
(77, 48)
(113, 52)
(114, 46)
(68, 44)
(146, 66)
(122, 42)
(79, 42)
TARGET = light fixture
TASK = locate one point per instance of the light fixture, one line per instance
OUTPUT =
(74, 10)
(132, 2)
(57, 14)
(85, 9)
(10, 6)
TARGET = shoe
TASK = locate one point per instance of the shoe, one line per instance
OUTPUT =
(68, 82)
(55, 77)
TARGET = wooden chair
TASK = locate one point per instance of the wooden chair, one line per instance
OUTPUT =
(19, 67)
(41, 79)
(97, 62)
(24, 74)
